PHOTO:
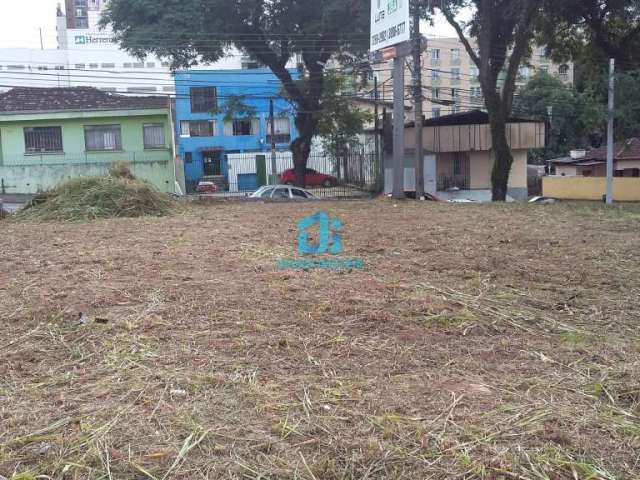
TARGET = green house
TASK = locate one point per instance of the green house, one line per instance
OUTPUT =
(50, 135)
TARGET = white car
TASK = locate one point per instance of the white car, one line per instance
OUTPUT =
(283, 192)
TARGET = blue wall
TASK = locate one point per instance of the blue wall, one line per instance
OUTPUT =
(257, 86)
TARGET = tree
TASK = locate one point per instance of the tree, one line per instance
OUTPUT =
(503, 31)
(599, 29)
(270, 31)
(590, 32)
(340, 129)
(575, 117)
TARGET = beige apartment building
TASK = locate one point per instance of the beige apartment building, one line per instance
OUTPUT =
(449, 77)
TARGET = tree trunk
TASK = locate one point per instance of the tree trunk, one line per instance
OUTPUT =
(301, 149)
(503, 158)
(301, 146)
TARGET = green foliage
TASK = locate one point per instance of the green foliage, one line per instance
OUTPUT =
(342, 121)
(596, 29)
(236, 106)
(575, 117)
(271, 32)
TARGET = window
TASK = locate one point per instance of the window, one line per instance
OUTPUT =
(108, 65)
(241, 127)
(457, 166)
(475, 72)
(455, 73)
(138, 65)
(188, 157)
(151, 65)
(455, 54)
(455, 93)
(282, 130)
(126, 65)
(80, 66)
(102, 138)
(93, 65)
(15, 67)
(43, 139)
(435, 54)
(281, 193)
(564, 72)
(267, 193)
(435, 76)
(435, 92)
(435, 113)
(203, 99)
(298, 193)
(153, 134)
(197, 128)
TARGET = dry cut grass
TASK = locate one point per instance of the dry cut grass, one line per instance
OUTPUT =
(480, 342)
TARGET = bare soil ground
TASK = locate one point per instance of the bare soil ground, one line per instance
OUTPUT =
(480, 341)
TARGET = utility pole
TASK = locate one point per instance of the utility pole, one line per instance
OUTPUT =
(549, 134)
(41, 42)
(376, 127)
(274, 166)
(398, 127)
(417, 101)
(610, 136)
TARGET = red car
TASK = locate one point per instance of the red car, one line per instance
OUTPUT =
(313, 178)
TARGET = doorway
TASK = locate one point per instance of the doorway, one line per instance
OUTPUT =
(212, 163)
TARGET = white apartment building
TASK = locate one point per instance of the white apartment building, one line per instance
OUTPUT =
(88, 56)
(450, 78)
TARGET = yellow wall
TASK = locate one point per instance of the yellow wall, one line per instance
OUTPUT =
(591, 188)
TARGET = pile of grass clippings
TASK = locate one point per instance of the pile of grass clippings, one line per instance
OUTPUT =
(116, 195)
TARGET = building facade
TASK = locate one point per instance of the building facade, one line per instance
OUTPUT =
(450, 78)
(225, 112)
(459, 158)
(89, 56)
(48, 136)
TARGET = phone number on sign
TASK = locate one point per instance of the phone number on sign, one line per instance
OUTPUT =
(389, 34)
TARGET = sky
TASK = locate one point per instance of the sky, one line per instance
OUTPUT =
(20, 21)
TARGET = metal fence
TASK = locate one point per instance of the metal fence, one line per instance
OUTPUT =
(356, 174)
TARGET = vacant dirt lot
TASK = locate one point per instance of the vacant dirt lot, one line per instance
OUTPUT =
(491, 342)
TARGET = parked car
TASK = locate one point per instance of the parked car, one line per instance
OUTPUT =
(313, 178)
(207, 187)
(283, 192)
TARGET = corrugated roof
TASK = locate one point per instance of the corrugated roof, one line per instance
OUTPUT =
(73, 99)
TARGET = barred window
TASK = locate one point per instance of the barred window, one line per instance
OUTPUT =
(102, 138)
(203, 99)
(153, 135)
(43, 139)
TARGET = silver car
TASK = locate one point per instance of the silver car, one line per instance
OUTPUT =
(283, 192)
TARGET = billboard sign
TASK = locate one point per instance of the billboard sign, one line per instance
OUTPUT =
(389, 23)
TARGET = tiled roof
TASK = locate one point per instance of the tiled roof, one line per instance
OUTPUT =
(73, 99)
(627, 150)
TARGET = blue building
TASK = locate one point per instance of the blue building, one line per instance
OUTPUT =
(224, 112)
